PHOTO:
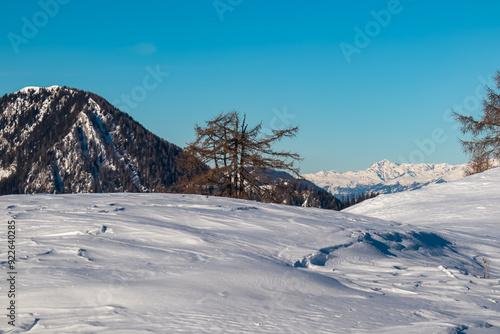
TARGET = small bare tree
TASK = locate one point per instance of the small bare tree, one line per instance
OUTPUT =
(485, 132)
(239, 158)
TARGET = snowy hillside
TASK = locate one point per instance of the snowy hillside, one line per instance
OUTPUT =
(463, 205)
(167, 263)
(386, 177)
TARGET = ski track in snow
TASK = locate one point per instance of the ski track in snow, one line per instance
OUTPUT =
(165, 263)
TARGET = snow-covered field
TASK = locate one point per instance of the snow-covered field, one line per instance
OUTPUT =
(165, 263)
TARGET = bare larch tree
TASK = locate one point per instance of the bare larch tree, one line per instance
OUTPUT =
(238, 158)
(485, 132)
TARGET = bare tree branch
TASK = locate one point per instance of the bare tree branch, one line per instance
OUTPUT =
(485, 132)
(239, 157)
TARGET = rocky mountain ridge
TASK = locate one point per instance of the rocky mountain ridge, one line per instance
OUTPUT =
(65, 140)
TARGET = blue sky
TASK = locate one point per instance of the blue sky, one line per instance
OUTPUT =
(280, 62)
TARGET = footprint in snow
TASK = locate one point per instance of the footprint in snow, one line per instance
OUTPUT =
(83, 253)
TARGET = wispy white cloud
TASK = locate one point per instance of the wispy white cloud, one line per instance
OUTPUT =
(144, 49)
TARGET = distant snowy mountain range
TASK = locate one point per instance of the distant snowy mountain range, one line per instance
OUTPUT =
(386, 177)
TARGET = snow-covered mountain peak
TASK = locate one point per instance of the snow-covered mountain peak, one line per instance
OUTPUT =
(66, 140)
(386, 170)
(383, 164)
